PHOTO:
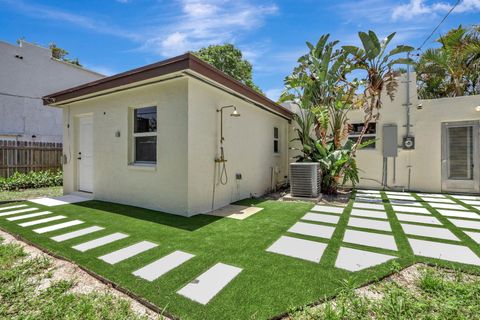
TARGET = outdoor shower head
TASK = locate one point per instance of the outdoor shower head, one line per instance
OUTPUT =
(235, 113)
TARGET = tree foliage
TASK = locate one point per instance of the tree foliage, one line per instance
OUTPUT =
(61, 54)
(324, 88)
(453, 69)
(229, 59)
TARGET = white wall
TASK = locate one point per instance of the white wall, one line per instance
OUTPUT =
(34, 76)
(424, 162)
(163, 187)
(248, 148)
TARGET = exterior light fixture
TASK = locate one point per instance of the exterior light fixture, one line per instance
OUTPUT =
(477, 108)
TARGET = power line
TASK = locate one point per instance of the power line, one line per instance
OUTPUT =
(438, 25)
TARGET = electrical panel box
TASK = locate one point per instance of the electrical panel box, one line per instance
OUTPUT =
(390, 140)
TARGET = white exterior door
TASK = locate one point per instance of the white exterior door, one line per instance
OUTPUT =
(85, 154)
(460, 157)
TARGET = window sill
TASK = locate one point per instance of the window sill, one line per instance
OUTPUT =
(143, 166)
(277, 154)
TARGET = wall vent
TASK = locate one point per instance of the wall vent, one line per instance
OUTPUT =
(305, 179)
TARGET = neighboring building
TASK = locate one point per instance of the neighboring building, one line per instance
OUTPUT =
(150, 137)
(29, 72)
(443, 155)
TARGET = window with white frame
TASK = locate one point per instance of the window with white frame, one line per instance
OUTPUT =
(370, 133)
(145, 135)
(276, 146)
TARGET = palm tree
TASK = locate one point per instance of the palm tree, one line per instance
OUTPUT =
(453, 69)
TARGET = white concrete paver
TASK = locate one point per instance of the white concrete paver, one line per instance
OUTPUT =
(76, 234)
(58, 226)
(370, 239)
(438, 200)
(34, 223)
(398, 197)
(474, 235)
(318, 217)
(298, 248)
(418, 219)
(128, 252)
(163, 265)
(459, 214)
(431, 232)
(13, 207)
(58, 201)
(464, 197)
(314, 230)
(329, 209)
(209, 283)
(9, 213)
(444, 251)
(369, 224)
(471, 202)
(468, 224)
(369, 213)
(28, 216)
(405, 203)
(374, 206)
(447, 206)
(431, 195)
(411, 209)
(100, 242)
(356, 260)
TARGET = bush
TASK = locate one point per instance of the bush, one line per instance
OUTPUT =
(32, 179)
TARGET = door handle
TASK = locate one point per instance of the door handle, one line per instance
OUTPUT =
(79, 156)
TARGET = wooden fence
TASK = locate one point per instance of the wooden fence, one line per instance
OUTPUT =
(25, 156)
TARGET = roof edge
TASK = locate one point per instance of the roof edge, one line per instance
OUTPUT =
(175, 64)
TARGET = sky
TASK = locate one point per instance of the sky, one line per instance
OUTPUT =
(111, 36)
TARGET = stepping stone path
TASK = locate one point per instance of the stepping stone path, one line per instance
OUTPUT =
(209, 283)
(163, 265)
(128, 252)
(356, 260)
(368, 213)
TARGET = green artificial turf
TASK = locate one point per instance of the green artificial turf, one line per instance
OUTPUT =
(270, 284)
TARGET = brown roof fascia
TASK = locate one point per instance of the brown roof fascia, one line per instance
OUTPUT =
(176, 64)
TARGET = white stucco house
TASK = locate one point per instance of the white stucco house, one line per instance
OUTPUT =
(177, 136)
(440, 151)
(29, 72)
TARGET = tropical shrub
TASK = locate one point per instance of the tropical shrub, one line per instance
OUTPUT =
(324, 88)
(32, 179)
